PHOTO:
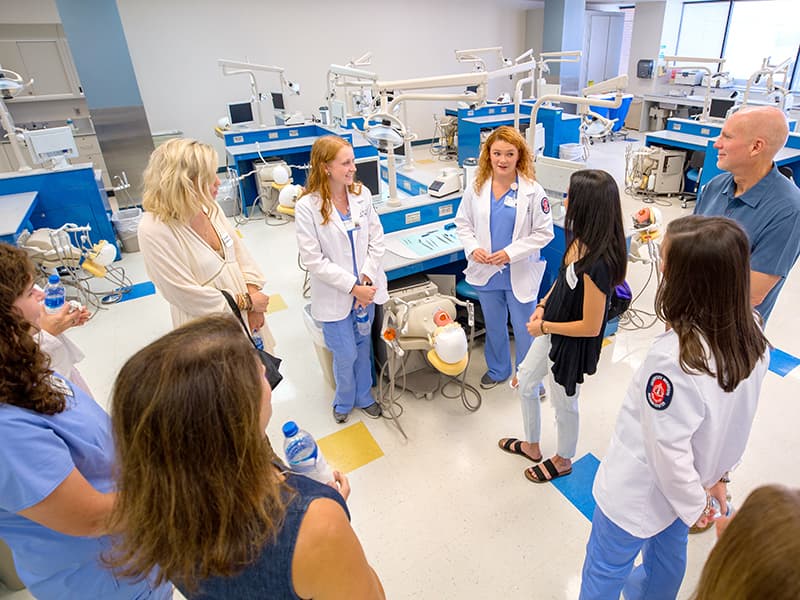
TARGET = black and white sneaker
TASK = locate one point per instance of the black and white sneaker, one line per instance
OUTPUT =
(487, 382)
(373, 410)
(340, 417)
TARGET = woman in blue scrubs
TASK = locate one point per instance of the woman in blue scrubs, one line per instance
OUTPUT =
(56, 461)
(340, 240)
(503, 221)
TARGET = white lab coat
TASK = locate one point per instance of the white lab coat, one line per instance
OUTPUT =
(325, 251)
(533, 230)
(660, 461)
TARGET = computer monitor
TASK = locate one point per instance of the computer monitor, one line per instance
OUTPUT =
(240, 113)
(277, 101)
(368, 174)
(719, 107)
(56, 144)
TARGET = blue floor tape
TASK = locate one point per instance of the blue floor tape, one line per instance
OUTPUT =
(782, 363)
(577, 487)
(139, 290)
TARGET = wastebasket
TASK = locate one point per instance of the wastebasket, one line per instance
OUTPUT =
(324, 355)
(571, 152)
(126, 224)
(226, 197)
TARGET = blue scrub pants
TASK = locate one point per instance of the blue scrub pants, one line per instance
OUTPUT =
(496, 306)
(352, 362)
(608, 568)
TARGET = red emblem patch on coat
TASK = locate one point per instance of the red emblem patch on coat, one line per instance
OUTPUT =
(659, 391)
(545, 205)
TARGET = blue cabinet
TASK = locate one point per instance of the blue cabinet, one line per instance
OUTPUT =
(71, 195)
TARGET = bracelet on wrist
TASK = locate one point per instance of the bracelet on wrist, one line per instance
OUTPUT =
(541, 327)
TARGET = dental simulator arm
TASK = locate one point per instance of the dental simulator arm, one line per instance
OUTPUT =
(237, 67)
(702, 67)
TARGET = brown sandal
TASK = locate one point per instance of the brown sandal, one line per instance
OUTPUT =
(514, 446)
(539, 472)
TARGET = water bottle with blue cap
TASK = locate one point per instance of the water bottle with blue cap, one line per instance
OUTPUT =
(303, 455)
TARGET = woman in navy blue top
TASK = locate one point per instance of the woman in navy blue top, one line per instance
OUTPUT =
(200, 491)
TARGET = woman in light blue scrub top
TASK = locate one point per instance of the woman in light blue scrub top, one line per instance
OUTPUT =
(56, 461)
(503, 221)
(340, 240)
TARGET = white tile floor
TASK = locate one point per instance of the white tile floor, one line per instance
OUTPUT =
(446, 514)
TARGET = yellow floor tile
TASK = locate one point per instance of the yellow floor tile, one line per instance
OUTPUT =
(276, 303)
(350, 448)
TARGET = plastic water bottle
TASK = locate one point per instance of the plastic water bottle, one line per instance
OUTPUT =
(303, 455)
(54, 294)
(258, 340)
(362, 320)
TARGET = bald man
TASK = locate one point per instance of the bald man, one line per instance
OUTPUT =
(764, 202)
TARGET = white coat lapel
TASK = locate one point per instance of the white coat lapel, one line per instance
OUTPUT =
(524, 199)
(482, 214)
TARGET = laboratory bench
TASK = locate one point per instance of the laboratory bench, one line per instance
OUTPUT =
(247, 147)
(702, 139)
(74, 194)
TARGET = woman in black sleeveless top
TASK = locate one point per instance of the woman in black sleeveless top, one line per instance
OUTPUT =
(568, 323)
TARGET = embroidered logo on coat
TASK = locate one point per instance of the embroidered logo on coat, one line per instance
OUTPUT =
(659, 391)
(545, 205)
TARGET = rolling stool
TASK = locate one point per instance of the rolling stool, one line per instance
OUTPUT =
(465, 291)
(694, 170)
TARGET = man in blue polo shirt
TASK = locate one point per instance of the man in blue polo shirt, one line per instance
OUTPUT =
(753, 193)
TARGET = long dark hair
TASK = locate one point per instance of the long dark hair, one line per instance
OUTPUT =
(197, 494)
(594, 219)
(705, 298)
(24, 368)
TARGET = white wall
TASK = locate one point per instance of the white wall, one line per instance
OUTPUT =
(648, 20)
(28, 11)
(175, 46)
(654, 24)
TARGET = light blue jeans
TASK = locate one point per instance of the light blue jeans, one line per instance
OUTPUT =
(534, 368)
(611, 551)
(352, 362)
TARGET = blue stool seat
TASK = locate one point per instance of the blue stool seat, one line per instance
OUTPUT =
(465, 290)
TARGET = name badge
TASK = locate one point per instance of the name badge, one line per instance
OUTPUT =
(349, 225)
(510, 200)
(226, 239)
(61, 385)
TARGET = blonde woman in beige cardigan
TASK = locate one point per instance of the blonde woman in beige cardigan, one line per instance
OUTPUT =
(190, 250)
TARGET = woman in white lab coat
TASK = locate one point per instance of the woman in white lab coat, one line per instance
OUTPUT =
(340, 240)
(503, 222)
(685, 419)
(190, 250)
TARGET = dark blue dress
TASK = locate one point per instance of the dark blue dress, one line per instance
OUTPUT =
(270, 575)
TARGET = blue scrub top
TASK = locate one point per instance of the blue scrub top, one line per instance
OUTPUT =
(37, 454)
(502, 215)
(769, 212)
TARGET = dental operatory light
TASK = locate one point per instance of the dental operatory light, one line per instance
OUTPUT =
(11, 85)
(383, 137)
